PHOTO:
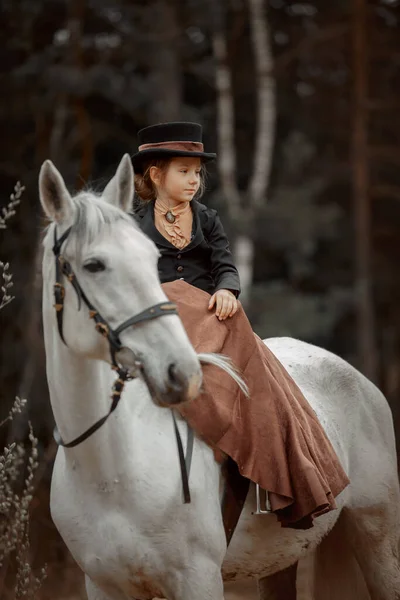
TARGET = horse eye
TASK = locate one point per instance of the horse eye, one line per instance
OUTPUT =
(94, 266)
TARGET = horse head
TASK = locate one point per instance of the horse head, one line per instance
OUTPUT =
(103, 270)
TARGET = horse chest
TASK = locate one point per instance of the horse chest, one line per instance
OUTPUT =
(112, 547)
(129, 536)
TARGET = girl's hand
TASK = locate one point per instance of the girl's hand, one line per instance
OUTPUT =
(226, 304)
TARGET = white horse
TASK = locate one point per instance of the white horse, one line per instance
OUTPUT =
(117, 497)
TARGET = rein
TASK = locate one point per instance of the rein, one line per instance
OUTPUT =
(64, 269)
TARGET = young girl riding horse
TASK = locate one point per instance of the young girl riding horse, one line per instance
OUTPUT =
(273, 436)
(190, 236)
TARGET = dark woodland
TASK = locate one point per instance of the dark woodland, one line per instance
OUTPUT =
(79, 78)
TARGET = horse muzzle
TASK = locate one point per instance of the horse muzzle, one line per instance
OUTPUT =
(176, 387)
(175, 384)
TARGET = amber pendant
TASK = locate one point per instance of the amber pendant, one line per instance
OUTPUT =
(170, 217)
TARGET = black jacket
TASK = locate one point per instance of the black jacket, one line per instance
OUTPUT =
(206, 262)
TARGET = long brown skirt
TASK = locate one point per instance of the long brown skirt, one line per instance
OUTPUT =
(274, 436)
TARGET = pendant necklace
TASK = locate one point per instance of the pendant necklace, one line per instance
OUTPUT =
(170, 216)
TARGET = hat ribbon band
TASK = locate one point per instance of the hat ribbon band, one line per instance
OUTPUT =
(186, 146)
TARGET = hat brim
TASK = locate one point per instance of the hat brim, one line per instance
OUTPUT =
(140, 157)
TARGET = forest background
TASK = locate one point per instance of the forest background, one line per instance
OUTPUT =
(301, 102)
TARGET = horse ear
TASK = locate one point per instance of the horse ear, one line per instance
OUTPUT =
(119, 190)
(54, 196)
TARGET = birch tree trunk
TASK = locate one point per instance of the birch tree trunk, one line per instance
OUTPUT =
(226, 124)
(245, 213)
(264, 142)
(266, 109)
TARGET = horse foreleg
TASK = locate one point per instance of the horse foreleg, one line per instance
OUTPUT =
(94, 593)
(374, 535)
(279, 586)
(201, 581)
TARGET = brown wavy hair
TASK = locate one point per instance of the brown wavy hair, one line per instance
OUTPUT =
(146, 189)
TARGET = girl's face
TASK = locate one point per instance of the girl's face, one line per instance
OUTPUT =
(180, 182)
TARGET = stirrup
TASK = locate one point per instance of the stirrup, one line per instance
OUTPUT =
(262, 511)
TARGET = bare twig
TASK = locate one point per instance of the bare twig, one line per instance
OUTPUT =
(17, 408)
(9, 210)
(14, 513)
(6, 285)
(6, 213)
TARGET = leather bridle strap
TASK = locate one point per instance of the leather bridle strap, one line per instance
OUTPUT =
(59, 290)
(185, 462)
(116, 397)
(159, 310)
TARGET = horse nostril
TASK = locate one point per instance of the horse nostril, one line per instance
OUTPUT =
(175, 380)
(179, 386)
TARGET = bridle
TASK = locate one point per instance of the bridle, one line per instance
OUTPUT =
(63, 269)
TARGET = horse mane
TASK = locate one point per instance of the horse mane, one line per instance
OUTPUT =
(92, 215)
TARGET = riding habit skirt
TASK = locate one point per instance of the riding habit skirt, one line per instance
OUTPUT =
(274, 435)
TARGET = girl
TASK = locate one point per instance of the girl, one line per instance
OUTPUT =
(169, 170)
(274, 436)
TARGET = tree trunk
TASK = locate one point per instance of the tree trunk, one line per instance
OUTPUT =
(243, 251)
(75, 27)
(243, 247)
(164, 61)
(266, 109)
(362, 213)
(264, 142)
(225, 116)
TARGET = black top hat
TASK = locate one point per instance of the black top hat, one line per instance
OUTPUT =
(167, 140)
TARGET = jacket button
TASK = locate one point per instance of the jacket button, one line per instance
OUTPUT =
(179, 269)
(179, 256)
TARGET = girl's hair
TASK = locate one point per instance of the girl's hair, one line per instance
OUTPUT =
(145, 188)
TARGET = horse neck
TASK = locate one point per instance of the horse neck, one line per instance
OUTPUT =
(80, 389)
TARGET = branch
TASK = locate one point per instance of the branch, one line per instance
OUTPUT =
(6, 285)
(266, 112)
(9, 210)
(16, 409)
(7, 213)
